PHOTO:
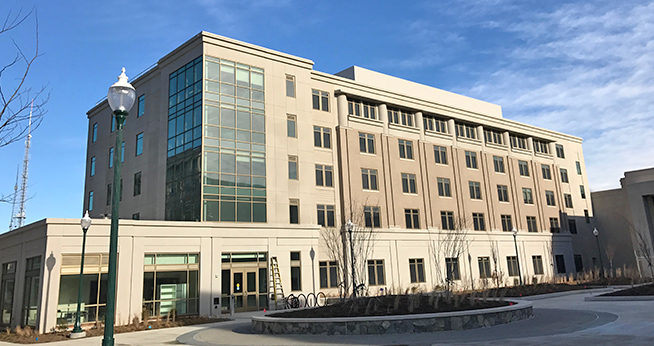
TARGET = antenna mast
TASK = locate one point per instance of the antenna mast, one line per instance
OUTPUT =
(18, 219)
(13, 223)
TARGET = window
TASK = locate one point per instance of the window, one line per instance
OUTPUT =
(467, 131)
(579, 264)
(371, 215)
(578, 164)
(366, 143)
(294, 211)
(475, 189)
(524, 168)
(586, 216)
(113, 124)
(139, 144)
(452, 266)
(568, 200)
(471, 159)
(440, 155)
(397, 116)
(120, 196)
(369, 179)
(564, 175)
(554, 225)
(292, 167)
(326, 215)
(444, 187)
(537, 261)
(140, 110)
(376, 273)
(109, 192)
(122, 152)
(408, 183)
(137, 183)
(320, 100)
(549, 197)
(493, 137)
(531, 224)
(484, 267)
(322, 137)
(406, 149)
(518, 142)
(572, 224)
(136, 216)
(512, 265)
(417, 270)
(582, 190)
(546, 172)
(447, 220)
(31, 289)
(291, 126)
(361, 109)
(7, 288)
(411, 218)
(478, 221)
(324, 176)
(434, 124)
(111, 157)
(541, 147)
(328, 274)
(559, 151)
(503, 193)
(507, 226)
(498, 162)
(560, 264)
(94, 133)
(90, 201)
(290, 86)
(296, 272)
(527, 195)
(92, 166)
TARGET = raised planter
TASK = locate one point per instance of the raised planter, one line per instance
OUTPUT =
(396, 324)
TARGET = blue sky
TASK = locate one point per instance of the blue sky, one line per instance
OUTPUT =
(583, 68)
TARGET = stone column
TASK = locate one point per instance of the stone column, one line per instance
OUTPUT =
(530, 144)
(480, 135)
(383, 116)
(451, 128)
(342, 111)
(507, 139)
(421, 125)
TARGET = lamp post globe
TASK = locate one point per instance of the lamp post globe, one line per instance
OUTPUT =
(121, 98)
(517, 258)
(350, 227)
(599, 252)
(78, 332)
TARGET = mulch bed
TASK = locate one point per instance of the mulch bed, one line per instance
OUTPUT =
(393, 305)
(531, 290)
(27, 336)
(645, 290)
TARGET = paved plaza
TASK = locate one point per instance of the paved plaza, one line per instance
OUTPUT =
(562, 320)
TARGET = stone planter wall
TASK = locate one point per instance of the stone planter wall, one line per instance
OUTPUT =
(397, 324)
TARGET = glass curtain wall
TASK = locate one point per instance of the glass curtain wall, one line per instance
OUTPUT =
(170, 283)
(7, 292)
(94, 288)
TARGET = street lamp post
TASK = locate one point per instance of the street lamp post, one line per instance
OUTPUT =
(78, 332)
(350, 227)
(121, 98)
(517, 257)
(599, 253)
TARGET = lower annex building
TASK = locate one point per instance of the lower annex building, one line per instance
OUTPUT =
(235, 154)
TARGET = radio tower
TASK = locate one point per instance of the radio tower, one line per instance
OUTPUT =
(18, 218)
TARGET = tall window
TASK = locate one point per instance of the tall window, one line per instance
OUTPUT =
(531, 224)
(475, 189)
(578, 165)
(537, 261)
(7, 288)
(31, 288)
(417, 270)
(322, 137)
(447, 220)
(290, 85)
(109, 192)
(549, 197)
(90, 201)
(141, 106)
(94, 288)
(493, 137)
(324, 175)
(291, 126)
(328, 274)
(320, 100)
(518, 142)
(122, 152)
(92, 166)
(440, 155)
(546, 172)
(512, 264)
(564, 175)
(371, 215)
(113, 124)
(568, 200)
(361, 109)
(498, 162)
(94, 133)
(139, 144)
(559, 151)
(586, 215)
(579, 264)
(294, 211)
(443, 187)
(507, 225)
(376, 273)
(471, 159)
(524, 168)
(452, 266)
(582, 190)
(503, 193)
(408, 183)
(296, 271)
(292, 167)
(369, 179)
(400, 117)
(527, 196)
(326, 215)
(560, 264)
(484, 267)
(572, 224)
(111, 157)
(554, 225)
(467, 131)
(478, 222)
(137, 183)
(366, 143)
(406, 149)
(411, 218)
(541, 147)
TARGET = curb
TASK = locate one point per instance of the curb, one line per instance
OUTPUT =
(565, 293)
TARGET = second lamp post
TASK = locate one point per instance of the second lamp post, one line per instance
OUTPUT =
(517, 258)
(78, 332)
(350, 227)
(599, 253)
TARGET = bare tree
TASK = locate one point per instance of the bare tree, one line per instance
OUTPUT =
(448, 244)
(643, 244)
(609, 249)
(498, 274)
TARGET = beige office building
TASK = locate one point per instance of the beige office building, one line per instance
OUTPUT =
(235, 154)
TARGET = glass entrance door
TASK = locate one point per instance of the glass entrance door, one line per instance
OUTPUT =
(244, 288)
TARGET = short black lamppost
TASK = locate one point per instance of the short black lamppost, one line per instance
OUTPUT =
(350, 227)
(78, 332)
(599, 253)
(517, 258)
(121, 98)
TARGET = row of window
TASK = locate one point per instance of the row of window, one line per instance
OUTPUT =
(137, 191)
(138, 152)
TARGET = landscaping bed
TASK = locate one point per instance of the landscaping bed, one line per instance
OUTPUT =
(645, 290)
(545, 288)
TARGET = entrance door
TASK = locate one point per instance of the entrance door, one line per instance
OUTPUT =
(244, 289)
